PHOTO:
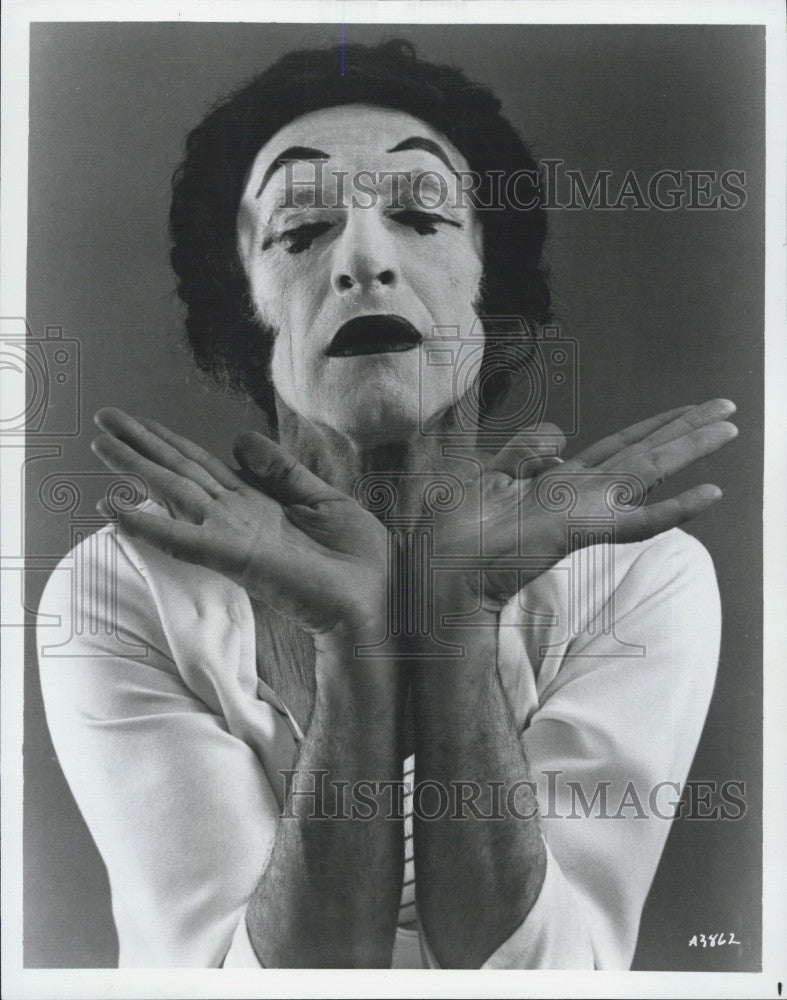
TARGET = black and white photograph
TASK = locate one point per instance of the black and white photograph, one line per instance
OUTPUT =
(392, 551)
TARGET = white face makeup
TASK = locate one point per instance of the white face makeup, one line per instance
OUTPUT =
(353, 246)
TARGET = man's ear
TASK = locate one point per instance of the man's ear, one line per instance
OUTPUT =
(478, 298)
(244, 227)
(477, 233)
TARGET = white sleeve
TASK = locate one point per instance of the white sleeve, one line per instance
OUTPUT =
(180, 810)
(620, 726)
(241, 954)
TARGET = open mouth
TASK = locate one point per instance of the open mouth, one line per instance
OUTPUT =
(375, 334)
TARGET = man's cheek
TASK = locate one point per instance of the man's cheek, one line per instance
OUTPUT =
(450, 291)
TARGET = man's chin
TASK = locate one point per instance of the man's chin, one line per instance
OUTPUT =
(375, 406)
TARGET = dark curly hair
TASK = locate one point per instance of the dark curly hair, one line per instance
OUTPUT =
(227, 340)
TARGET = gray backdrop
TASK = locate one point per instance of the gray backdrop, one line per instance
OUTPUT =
(667, 307)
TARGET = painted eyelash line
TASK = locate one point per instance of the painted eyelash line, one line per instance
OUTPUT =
(269, 241)
(428, 216)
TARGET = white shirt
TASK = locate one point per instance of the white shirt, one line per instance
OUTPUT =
(172, 746)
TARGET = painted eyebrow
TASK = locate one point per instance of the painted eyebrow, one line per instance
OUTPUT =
(288, 156)
(419, 142)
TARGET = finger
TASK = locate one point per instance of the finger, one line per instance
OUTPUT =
(175, 538)
(529, 453)
(609, 446)
(665, 460)
(280, 475)
(220, 472)
(646, 522)
(270, 574)
(152, 445)
(182, 497)
(694, 419)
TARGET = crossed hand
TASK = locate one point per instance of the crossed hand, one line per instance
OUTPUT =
(317, 557)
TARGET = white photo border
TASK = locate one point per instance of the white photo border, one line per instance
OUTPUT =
(61, 983)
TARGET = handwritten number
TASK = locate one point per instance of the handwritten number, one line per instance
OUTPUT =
(720, 939)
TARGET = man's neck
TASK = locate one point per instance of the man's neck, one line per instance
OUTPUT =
(406, 463)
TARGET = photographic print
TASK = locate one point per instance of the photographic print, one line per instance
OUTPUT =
(386, 440)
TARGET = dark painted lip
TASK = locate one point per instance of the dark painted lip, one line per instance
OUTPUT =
(374, 334)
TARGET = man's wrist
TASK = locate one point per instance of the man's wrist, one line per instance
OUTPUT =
(362, 688)
(461, 618)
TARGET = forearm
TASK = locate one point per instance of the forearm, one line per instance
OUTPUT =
(480, 865)
(329, 895)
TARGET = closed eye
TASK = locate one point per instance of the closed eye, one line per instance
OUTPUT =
(424, 223)
(300, 238)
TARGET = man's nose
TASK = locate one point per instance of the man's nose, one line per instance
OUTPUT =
(365, 259)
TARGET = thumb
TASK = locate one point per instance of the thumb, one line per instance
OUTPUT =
(276, 472)
(529, 452)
